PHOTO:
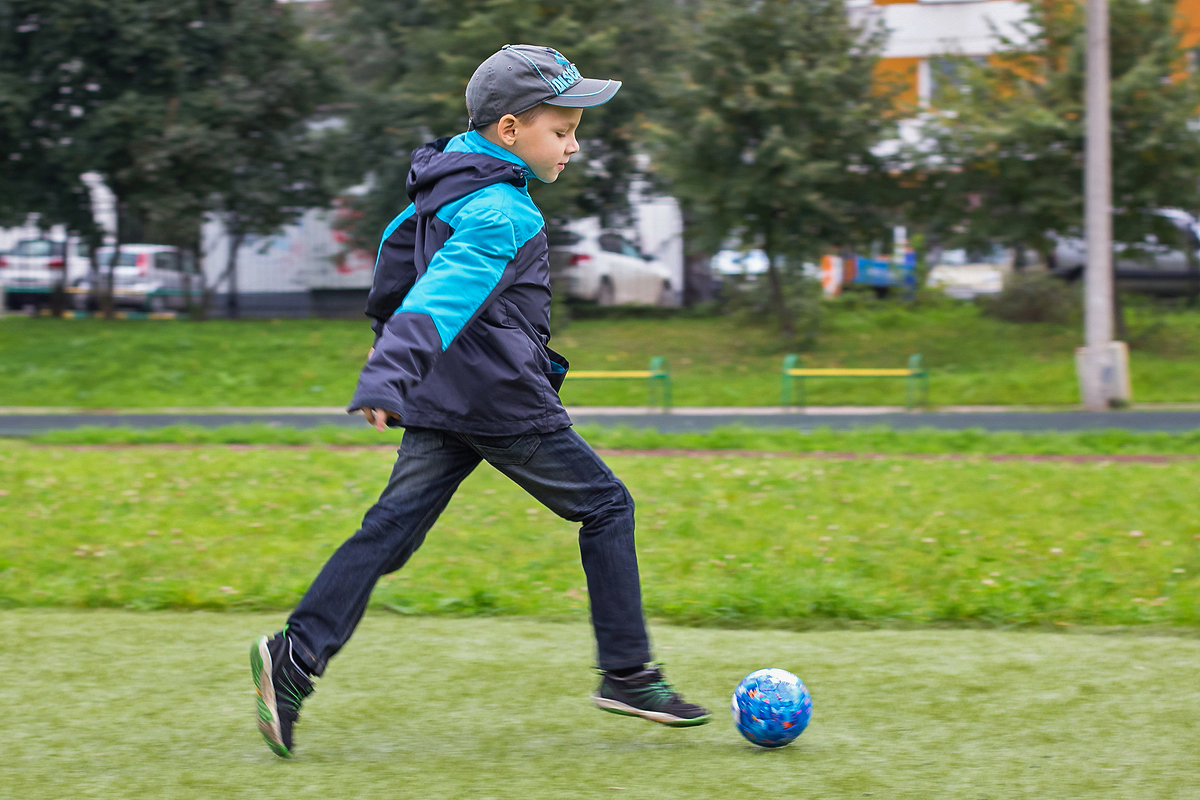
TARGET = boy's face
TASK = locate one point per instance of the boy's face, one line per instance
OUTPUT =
(546, 143)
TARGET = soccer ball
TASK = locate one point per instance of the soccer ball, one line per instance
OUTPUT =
(771, 707)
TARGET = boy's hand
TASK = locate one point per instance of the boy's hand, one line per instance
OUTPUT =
(379, 417)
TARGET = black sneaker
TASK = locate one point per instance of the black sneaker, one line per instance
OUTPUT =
(647, 694)
(282, 686)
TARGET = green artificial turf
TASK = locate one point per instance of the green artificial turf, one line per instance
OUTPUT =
(160, 706)
(719, 361)
(727, 540)
(871, 439)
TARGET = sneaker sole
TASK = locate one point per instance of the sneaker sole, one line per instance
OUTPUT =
(617, 707)
(268, 715)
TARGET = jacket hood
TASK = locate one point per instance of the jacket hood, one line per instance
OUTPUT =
(437, 177)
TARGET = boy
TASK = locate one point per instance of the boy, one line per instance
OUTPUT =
(461, 308)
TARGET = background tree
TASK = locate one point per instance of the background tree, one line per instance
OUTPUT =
(766, 133)
(39, 170)
(410, 62)
(253, 126)
(181, 106)
(1003, 153)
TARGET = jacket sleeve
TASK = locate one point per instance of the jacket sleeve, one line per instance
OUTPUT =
(395, 269)
(460, 278)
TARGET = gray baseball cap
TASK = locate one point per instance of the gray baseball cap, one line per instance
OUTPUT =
(520, 76)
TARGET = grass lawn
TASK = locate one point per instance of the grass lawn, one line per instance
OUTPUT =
(105, 704)
(729, 540)
(714, 361)
(734, 437)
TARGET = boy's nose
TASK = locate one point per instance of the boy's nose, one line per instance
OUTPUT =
(572, 146)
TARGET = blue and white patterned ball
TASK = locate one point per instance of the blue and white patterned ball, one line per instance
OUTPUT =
(771, 707)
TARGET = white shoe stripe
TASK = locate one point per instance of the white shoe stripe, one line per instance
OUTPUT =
(267, 687)
(617, 705)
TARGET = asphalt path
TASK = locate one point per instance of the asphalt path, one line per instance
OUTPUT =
(677, 421)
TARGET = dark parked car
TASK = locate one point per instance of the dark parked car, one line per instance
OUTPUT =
(1166, 261)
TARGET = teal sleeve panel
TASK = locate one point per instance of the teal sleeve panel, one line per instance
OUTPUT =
(463, 273)
(391, 228)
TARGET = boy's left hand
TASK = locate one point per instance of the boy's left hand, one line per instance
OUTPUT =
(379, 417)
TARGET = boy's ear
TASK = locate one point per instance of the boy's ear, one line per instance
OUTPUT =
(506, 129)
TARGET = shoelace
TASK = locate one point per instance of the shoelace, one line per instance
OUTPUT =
(659, 693)
(290, 693)
(295, 685)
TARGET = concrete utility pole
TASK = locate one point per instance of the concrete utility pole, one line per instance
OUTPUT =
(1102, 364)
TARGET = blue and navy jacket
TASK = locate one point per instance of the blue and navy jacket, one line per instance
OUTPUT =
(461, 300)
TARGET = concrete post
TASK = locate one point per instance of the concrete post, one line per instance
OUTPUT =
(1103, 371)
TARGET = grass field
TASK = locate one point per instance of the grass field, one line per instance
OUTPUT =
(714, 361)
(891, 585)
(113, 704)
(928, 441)
(727, 540)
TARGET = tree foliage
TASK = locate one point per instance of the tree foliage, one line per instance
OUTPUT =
(181, 106)
(409, 63)
(768, 125)
(1004, 149)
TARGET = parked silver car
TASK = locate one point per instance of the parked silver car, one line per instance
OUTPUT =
(1166, 261)
(32, 271)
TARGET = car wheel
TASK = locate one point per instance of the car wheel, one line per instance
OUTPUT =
(666, 296)
(156, 304)
(607, 296)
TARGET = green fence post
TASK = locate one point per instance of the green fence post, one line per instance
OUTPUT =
(917, 382)
(660, 374)
(789, 363)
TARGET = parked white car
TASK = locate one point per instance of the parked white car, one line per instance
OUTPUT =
(34, 268)
(606, 267)
(748, 266)
(964, 274)
(744, 264)
(153, 277)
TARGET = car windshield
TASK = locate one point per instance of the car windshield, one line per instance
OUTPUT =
(960, 257)
(125, 259)
(560, 238)
(38, 247)
(615, 243)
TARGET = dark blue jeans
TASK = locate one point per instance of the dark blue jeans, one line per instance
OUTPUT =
(558, 469)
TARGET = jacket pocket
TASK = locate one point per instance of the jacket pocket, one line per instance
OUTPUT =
(558, 369)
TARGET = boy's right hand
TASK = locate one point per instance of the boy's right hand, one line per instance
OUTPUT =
(377, 417)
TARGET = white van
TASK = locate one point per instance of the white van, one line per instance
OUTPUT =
(152, 277)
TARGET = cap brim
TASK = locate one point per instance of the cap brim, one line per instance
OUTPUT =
(587, 92)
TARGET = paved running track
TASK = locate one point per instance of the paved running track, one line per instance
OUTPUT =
(679, 420)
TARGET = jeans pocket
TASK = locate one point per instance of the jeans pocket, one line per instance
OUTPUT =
(420, 441)
(506, 449)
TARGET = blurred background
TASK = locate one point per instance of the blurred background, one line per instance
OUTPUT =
(960, 562)
(242, 157)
